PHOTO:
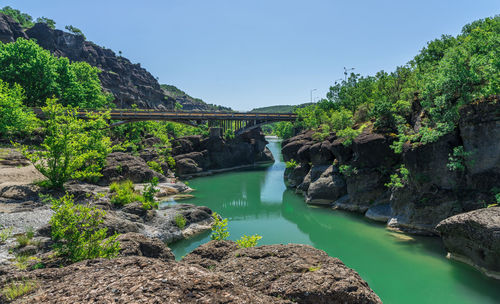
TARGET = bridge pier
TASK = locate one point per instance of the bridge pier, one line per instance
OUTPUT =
(215, 132)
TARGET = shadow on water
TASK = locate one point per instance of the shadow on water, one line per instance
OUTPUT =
(399, 268)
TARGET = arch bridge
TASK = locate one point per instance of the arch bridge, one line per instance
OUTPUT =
(239, 122)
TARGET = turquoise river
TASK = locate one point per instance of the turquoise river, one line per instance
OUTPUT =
(399, 268)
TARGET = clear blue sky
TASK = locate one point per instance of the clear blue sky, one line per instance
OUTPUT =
(247, 54)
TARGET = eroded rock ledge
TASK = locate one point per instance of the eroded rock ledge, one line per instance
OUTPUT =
(216, 272)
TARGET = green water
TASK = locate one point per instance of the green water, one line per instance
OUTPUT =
(398, 270)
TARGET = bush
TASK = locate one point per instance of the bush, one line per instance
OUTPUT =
(248, 241)
(180, 221)
(149, 193)
(348, 170)
(155, 166)
(124, 193)
(72, 148)
(291, 164)
(15, 117)
(459, 159)
(76, 232)
(219, 228)
(399, 179)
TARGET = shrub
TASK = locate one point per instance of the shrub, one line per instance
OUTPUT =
(399, 179)
(459, 159)
(348, 170)
(155, 166)
(180, 221)
(15, 117)
(229, 135)
(16, 289)
(148, 194)
(72, 148)
(124, 193)
(171, 162)
(5, 234)
(77, 234)
(291, 164)
(248, 241)
(219, 228)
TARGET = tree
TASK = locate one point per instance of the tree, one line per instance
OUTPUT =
(50, 23)
(72, 148)
(15, 118)
(75, 31)
(45, 76)
(24, 19)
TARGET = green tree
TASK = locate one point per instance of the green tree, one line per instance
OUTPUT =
(15, 118)
(75, 31)
(50, 23)
(24, 19)
(72, 148)
(44, 76)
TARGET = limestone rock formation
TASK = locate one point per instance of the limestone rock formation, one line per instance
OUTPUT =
(122, 166)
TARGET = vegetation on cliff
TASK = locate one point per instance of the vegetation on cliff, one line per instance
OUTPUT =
(419, 101)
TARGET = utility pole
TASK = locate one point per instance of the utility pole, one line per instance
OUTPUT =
(345, 72)
(312, 94)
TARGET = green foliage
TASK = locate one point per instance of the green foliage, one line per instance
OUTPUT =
(180, 221)
(123, 193)
(43, 76)
(348, 170)
(219, 228)
(24, 19)
(77, 234)
(171, 162)
(16, 289)
(284, 129)
(349, 134)
(75, 31)
(50, 23)
(248, 241)
(291, 164)
(15, 117)
(5, 234)
(229, 135)
(399, 179)
(459, 159)
(72, 148)
(155, 166)
(149, 195)
(26, 238)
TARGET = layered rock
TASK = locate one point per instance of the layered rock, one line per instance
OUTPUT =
(196, 154)
(299, 273)
(474, 237)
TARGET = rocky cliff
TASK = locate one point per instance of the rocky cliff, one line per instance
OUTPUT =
(354, 177)
(189, 103)
(129, 83)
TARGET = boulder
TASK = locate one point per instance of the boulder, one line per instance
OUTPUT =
(136, 244)
(291, 149)
(320, 153)
(365, 187)
(19, 192)
(295, 176)
(187, 166)
(296, 272)
(474, 237)
(327, 188)
(372, 150)
(379, 213)
(122, 166)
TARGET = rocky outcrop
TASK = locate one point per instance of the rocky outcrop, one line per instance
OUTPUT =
(190, 103)
(295, 272)
(122, 166)
(136, 244)
(196, 154)
(474, 237)
(10, 30)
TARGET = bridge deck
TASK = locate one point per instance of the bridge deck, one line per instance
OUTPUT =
(164, 115)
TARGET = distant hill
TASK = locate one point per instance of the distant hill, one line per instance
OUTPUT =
(190, 103)
(280, 108)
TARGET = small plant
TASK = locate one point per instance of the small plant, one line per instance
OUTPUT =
(39, 265)
(22, 240)
(314, 268)
(22, 261)
(16, 289)
(180, 221)
(459, 159)
(155, 166)
(291, 164)
(229, 135)
(348, 170)
(171, 162)
(219, 228)
(124, 193)
(5, 234)
(77, 234)
(399, 179)
(149, 193)
(248, 241)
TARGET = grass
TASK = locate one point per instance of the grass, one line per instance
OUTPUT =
(124, 193)
(25, 239)
(313, 269)
(5, 234)
(14, 290)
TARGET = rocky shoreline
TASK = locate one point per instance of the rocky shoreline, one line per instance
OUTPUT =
(355, 178)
